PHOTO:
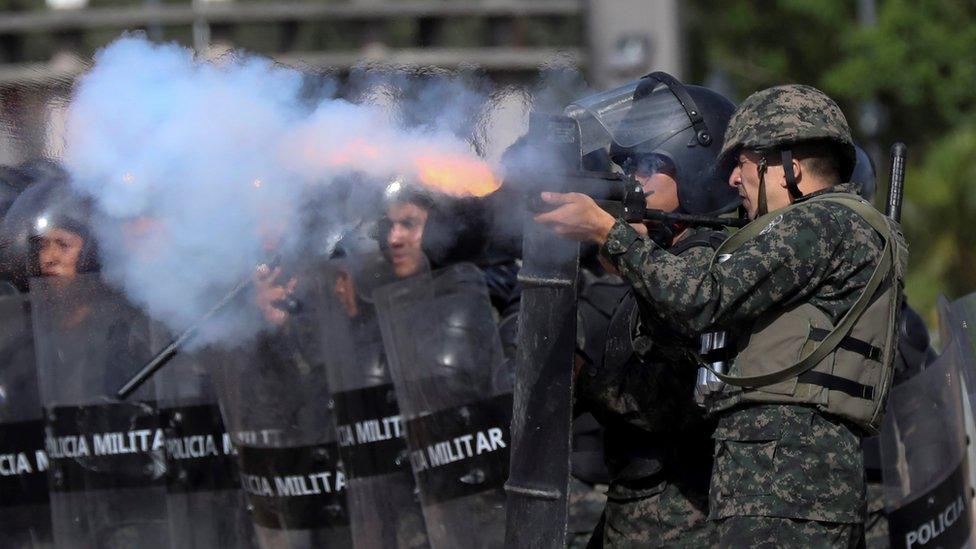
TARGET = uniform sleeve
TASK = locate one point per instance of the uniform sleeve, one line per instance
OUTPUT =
(655, 324)
(786, 262)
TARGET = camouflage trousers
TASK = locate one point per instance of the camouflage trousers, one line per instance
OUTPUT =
(876, 523)
(657, 513)
(775, 532)
(585, 507)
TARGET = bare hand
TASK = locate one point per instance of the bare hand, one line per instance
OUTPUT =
(269, 291)
(577, 217)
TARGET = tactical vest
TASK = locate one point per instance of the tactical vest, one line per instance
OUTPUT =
(798, 355)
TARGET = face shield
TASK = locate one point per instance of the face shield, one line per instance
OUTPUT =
(644, 112)
(44, 206)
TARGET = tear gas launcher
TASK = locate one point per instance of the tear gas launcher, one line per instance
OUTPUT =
(558, 139)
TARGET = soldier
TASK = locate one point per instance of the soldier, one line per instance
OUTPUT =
(812, 291)
(641, 391)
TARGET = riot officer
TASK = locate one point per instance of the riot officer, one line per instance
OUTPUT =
(47, 234)
(641, 389)
(25, 513)
(812, 289)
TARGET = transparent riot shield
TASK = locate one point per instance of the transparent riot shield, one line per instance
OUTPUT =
(383, 505)
(444, 352)
(206, 505)
(274, 398)
(923, 450)
(107, 464)
(25, 515)
(962, 321)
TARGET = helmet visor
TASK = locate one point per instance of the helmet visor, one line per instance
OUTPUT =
(643, 112)
(645, 165)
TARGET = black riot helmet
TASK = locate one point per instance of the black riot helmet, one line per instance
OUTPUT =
(45, 205)
(659, 124)
(456, 228)
(864, 173)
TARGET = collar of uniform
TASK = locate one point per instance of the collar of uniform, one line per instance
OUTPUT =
(852, 188)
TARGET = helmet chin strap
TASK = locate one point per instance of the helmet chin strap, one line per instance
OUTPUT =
(787, 156)
(762, 208)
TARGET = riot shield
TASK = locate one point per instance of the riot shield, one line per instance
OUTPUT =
(107, 464)
(206, 506)
(923, 449)
(25, 515)
(383, 506)
(274, 399)
(444, 352)
(962, 322)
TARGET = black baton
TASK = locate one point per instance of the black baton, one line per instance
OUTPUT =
(896, 183)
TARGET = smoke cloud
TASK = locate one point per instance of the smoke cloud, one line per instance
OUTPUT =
(201, 170)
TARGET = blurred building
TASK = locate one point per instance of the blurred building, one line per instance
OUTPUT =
(46, 44)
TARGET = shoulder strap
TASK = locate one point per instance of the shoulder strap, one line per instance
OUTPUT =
(833, 339)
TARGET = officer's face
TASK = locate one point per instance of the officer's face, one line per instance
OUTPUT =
(345, 291)
(660, 191)
(406, 232)
(59, 253)
(745, 178)
(655, 172)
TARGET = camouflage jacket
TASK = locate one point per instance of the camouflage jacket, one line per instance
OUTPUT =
(822, 254)
(651, 391)
(643, 396)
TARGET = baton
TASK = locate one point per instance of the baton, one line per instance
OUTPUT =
(896, 183)
(170, 350)
(173, 347)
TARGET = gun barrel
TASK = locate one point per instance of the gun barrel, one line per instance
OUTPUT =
(896, 183)
(696, 220)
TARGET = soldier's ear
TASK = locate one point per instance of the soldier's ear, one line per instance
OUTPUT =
(798, 171)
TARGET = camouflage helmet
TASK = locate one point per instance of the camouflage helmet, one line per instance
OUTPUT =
(777, 117)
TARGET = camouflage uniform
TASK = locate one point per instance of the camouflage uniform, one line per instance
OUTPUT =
(657, 439)
(782, 467)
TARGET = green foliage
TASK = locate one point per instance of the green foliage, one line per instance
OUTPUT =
(940, 207)
(916, 62)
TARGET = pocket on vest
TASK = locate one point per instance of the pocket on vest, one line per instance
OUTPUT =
(773, 345)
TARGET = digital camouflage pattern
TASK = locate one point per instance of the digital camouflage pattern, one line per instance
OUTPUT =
(821, 254)
(586, 504)
(783, 115)
(876, 521)
(656, 398)
(786, 461)
(666, 514)
(775, 532)
(646, 406)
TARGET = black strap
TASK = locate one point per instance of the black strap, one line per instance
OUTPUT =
(851, 344)
(691, 109)
(835, 383)
(787, 156)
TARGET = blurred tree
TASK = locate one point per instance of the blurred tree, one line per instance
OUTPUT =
(916, 62)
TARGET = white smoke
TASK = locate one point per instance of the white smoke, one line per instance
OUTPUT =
(201, 170)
